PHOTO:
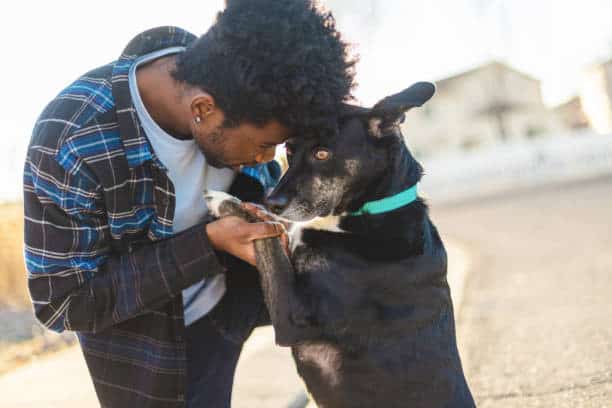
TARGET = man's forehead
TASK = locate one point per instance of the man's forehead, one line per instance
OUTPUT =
(269, 133)
(275, 132)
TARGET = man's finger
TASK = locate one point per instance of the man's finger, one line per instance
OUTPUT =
(262, 230)
(254, 206)
(262, 212)
(259, 212)
(256, 212)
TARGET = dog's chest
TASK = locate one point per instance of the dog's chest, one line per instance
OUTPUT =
(315, 251)
(336, 284)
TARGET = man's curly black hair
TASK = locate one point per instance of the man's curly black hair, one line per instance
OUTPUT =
(271, 59)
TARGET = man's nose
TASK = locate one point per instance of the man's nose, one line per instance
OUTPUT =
(277, 203)
(266, 156)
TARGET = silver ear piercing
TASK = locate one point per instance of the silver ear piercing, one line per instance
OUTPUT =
(198, 119)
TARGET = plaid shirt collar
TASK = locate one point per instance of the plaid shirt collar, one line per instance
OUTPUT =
(137, 148)
(136, 145)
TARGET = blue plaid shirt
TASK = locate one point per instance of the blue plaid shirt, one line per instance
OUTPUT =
(99, 249)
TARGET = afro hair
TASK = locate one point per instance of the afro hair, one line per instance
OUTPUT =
(272, 59)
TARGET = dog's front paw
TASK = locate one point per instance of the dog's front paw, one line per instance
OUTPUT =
(217, 201)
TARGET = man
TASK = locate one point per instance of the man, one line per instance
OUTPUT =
(117, 244)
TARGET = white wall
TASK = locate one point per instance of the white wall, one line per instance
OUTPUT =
(517, 165)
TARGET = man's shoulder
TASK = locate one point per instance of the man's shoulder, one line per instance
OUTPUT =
(81, 115)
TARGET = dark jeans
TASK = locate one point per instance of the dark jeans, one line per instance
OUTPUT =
(211, 362)
(214, 342)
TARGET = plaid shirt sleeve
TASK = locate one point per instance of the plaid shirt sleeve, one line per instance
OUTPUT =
(76, 280)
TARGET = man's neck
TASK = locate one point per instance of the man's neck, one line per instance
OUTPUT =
(161, 95)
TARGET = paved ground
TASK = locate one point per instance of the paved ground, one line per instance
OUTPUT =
(535, 326)
(265, 378)
(536, 322)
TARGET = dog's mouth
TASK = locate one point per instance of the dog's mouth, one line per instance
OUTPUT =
(304, 211)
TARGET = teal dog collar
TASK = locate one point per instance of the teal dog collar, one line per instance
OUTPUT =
(388, 203)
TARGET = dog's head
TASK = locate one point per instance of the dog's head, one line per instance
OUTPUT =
(327, 174)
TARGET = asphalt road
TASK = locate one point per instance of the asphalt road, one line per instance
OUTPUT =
(535, 326)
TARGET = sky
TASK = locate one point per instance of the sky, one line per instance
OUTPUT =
(49, 44)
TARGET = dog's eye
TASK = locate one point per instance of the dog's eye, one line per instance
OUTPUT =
(321, 154)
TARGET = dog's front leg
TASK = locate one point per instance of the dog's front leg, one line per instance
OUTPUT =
(276, 272)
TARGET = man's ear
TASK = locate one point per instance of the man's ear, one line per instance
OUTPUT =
(202, 104)
(390, 111)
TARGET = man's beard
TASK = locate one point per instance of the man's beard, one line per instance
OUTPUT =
(214, 160)
(214, 152)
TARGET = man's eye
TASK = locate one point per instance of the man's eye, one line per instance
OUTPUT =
(322, 154)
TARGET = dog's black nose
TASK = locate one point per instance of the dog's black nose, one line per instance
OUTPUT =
(277, 203)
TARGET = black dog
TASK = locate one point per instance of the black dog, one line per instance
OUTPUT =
(364, 302)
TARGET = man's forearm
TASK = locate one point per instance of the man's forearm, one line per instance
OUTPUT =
(130, 284)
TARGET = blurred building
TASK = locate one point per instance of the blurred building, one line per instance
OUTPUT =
(489, 104)
(596, 96)
(571, 114)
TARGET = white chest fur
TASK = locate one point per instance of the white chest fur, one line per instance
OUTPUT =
(296, 230)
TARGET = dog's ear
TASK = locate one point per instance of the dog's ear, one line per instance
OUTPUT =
(390, 111)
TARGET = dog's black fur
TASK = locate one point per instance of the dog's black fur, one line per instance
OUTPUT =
(365, 306)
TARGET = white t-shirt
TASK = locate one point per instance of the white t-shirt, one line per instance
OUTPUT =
(188, 171)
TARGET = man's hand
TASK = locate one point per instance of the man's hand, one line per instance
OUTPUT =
(260, 212)
(235, 236)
